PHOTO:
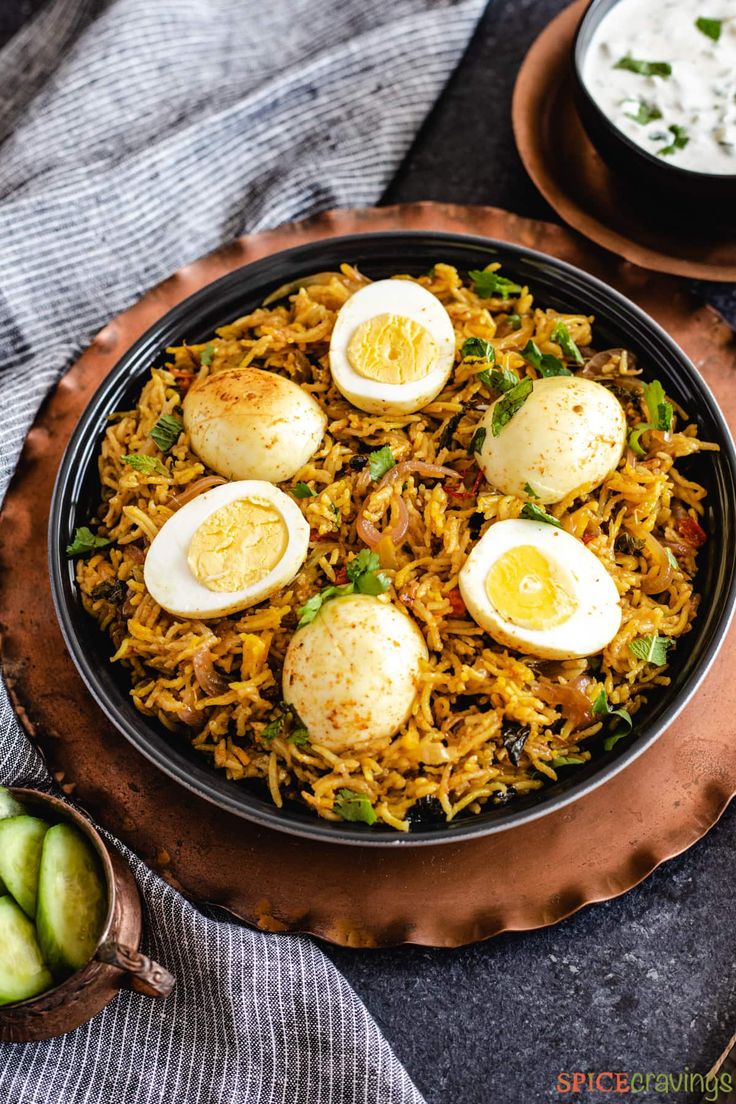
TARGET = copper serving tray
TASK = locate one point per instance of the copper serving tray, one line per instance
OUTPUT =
(448, 895)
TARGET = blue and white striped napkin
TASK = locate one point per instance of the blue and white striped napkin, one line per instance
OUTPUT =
(137, 135)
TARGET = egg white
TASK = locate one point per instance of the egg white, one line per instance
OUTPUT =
(351, 674)
(569, 433)
(409, 300)
(592, 625)
(166, 572)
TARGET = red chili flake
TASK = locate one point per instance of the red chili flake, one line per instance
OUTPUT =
(588, 537)
(458, 491)
(341, 576)
(456, 602)
(691, 531)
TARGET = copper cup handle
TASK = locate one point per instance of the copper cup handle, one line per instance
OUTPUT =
(145, 975)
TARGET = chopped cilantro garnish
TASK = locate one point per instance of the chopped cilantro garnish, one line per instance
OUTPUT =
(478, 440)
(545, 363)
(679, 140)
(354, 807)
(531, 512)
(660, 415)
(508, 405)
(364, 577)
(710, 27)
(479, 349)
(561, 335)
(489, 285)
(166, 431)
(645, 68)
(287, 723)
(645, 113)
(205, 357)
(499, 379)
(85, 541)
(652, 649)
(381, 461)
(514, 321)
(147, 465)
(302, 490)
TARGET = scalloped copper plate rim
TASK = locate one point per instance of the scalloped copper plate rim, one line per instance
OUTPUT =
(541, 76)
(447, 895)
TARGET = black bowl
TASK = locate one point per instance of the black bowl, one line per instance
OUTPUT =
(555, 284)
(649, 179)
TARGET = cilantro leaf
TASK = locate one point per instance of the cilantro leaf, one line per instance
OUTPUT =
(205, 357)
(366, 560)
(566, 761)
(489, 285)
(478, 440)
(85, 541)
(545, 363)
(381, 461)
(479, 349)
(561, 335)
(660, 410)
(611, 741)
(645, 68)
(710, 27)
(652, 649)
(680, 139)
(354, 807)
(166, 431)
(645, 113)
(288, 717)
(363, 572)
(508, 405)
(147, 465)
(302, 490)
(531, 512)
(601, 708)
(530, 490)
(501, 379)
(514, 321)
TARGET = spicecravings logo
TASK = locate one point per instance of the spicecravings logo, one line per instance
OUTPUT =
(712, 1086)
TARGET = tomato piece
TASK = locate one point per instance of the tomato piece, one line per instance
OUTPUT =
(341, 576)
(691, 531)
(457, 605)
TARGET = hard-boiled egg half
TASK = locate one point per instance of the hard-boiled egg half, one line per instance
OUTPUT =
(351, 674)
(569, 433)
(392, 347)
(247, 423)
(536, 588)
(229, 548)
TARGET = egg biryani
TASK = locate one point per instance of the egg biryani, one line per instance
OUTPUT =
(402, 549)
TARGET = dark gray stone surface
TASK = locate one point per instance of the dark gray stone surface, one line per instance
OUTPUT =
(645, 982)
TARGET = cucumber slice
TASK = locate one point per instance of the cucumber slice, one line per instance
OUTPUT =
(8, 805)
(23, 972)
(21, 838)
(72, 900)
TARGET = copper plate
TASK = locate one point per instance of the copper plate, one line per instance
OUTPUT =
(443, 896)
(575, 181)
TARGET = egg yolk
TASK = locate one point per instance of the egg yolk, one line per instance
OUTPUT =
(526, 589)
(391, 349)
(237, 545)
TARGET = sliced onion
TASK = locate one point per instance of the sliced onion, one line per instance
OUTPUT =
(594, 367)
(396, 532)
(421, 467)
(205, 674)
(662, 573)
(194, 489)
(576, 706)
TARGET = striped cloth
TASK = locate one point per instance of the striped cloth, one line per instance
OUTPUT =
(137, 136)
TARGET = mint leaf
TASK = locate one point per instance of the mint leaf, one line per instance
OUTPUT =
(147, 465)
(478, 440)
(561, 335)
(501, 379)
(381, 461)
(354, 807)
(528, 489)
(531, 512)
(479, 349)
(645, 68)
(85, 541)
(166, 431)
(652, 649)
(489, 285)
(645, 113)
(545, 363)
(508, 405)
(680, 139)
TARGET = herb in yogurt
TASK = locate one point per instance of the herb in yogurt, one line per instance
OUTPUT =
(645, 113)
(709, 27)
(645, 68)
(680, 139)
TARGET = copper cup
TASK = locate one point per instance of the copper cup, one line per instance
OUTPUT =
(116, 963)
